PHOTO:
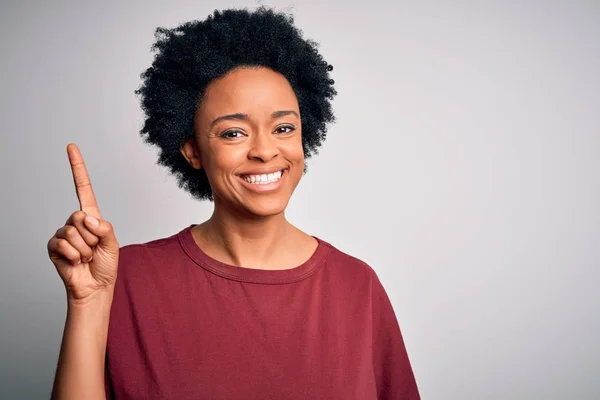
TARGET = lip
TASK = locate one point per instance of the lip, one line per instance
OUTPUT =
(262, 188)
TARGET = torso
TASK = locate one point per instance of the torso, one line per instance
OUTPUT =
(186, 326)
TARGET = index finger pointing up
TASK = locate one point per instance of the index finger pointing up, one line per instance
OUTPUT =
(83, 185)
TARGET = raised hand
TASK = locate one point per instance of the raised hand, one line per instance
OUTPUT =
(85, 250)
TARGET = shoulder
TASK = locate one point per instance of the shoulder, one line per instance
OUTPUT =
(348, 266)
(153, 246)
(148, 269)
(144, 257)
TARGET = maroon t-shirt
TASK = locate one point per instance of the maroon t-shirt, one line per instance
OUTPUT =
(186, 326)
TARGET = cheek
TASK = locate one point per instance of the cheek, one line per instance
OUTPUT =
(219, 164)
(222, 159)
(295, 154)
(294, 150)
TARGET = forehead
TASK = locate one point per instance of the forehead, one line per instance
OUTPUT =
(253, 91)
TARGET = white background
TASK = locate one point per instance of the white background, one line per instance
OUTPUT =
(464, 168)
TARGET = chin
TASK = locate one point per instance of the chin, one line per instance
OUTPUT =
(266, 207)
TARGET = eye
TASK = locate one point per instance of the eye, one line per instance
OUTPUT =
(232, 134)
(284, 129)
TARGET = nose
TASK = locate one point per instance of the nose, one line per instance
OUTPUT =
(264, 147)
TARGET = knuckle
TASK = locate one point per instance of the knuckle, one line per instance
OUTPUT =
(62, 246)
(71, 232)
(78, 216)
(82, 181)
(67, 251)
(86, 253)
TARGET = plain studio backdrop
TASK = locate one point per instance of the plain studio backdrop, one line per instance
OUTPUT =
(464, 168)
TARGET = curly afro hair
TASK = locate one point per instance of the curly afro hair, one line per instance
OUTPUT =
(191, 55)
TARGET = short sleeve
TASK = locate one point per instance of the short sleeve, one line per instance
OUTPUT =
(393, 372)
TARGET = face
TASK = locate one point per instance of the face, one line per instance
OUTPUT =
(248, 139)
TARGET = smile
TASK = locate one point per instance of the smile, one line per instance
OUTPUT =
(263, 179)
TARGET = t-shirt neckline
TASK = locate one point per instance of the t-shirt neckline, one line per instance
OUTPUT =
(251, 275)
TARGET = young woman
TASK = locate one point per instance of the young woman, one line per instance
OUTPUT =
(243, 305)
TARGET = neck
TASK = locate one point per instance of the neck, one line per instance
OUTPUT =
(247, 241)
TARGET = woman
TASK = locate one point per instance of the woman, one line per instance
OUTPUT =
(244, 305)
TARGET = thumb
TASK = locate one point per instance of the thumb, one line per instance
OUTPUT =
(102, 229)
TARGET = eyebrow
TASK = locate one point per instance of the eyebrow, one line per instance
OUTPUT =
(244, 117)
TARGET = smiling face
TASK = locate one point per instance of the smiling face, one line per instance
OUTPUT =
(249, 141)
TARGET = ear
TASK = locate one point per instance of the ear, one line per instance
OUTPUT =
(191, 153)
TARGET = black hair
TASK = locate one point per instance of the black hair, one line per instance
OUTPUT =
(191, 55)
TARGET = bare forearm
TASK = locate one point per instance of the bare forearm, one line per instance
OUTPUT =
(80, 371)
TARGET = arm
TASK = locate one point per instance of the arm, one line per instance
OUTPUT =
(85, 253)
(80, 371)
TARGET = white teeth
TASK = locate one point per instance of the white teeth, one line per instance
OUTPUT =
(263, 179)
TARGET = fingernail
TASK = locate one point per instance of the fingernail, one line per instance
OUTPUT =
(89, 259)
(92, 221)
